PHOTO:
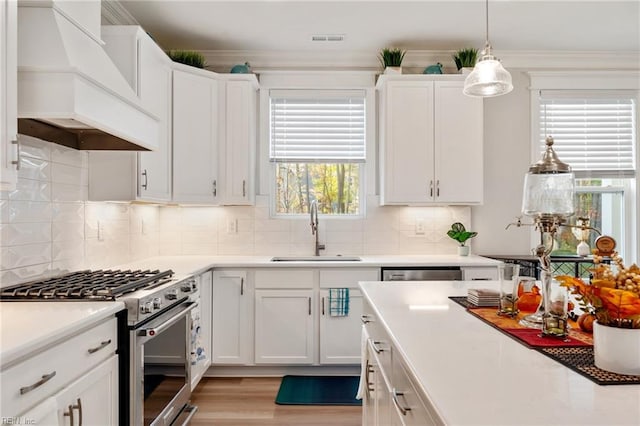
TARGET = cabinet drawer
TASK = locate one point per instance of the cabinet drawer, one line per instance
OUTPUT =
(284, 278)
(480, 274)
(347, 278)
(379, 341)
(68, 360)
(408, 404)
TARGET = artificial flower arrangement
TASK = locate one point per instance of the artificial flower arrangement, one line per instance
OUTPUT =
(612, 297)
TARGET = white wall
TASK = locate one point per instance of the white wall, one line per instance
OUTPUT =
(507, 158)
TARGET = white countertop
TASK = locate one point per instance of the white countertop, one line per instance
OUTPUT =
(195, 264)
(27, 327)
(473, 374)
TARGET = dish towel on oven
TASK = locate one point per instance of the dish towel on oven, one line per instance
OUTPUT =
(338, 302)
(362, 386)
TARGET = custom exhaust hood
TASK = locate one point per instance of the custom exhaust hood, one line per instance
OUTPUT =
(69, 90)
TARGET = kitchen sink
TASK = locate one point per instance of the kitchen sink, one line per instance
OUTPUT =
(316, 259)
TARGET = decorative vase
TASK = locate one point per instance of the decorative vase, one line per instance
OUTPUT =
(463, 250)
(393, 70)
(616, 349)
(466, 70)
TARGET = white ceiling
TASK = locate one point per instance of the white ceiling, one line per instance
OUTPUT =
(286, 25)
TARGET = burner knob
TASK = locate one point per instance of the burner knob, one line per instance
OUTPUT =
(186, 288)
(148, 308)
(171, 295)
(157, 303)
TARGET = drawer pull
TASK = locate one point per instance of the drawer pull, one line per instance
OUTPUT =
(97, 348)
(402, 409)
(45, 378)
(70, 415)
(365, 319)
(375, 346)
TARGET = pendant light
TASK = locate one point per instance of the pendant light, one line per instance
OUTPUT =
(488, 78)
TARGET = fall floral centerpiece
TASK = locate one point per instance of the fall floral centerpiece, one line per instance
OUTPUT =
(613, 297)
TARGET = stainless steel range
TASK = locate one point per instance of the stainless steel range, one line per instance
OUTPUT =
(155, 367)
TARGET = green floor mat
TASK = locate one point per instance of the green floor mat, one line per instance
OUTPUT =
(318, 390)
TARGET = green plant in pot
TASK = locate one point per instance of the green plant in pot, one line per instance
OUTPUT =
(465, 58)
(459, 233)
(187, 57)
(391, 60)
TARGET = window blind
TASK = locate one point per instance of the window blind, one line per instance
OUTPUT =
(317, 128)
(596, 136)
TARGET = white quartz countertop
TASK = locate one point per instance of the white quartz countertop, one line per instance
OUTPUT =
(473, 374)
(28, 327)
(196, 264)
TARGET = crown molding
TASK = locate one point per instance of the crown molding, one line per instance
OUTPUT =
(414, 60)
(113, 13)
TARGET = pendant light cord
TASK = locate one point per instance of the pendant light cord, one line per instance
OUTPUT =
(486, 9)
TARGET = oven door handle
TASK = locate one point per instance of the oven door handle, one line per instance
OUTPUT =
(154, 331)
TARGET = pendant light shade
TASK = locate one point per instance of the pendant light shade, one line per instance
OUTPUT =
(488, 78)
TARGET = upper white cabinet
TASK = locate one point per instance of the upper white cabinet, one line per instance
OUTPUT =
(239, 147)
(195, 136)
(431, 138)
(9, 148)
(144, 175)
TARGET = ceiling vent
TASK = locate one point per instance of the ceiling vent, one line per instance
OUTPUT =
(327, 37)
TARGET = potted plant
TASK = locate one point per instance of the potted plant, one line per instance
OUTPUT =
(391, 60)
(614, 299)
(461, 235)
(465, 59)
(187, 57)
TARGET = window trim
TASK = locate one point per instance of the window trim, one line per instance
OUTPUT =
(590, 81)
(321, 80)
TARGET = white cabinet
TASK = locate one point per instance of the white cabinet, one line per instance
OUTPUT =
(9, 148)
(340, 335)
(284, 327)
(80, 371)
(391, 397)
(195, 136)
(93, 398)
(239, 147)
(232, 318)
(480, 273)
(126, 176)
(201, 330)
(431, 138)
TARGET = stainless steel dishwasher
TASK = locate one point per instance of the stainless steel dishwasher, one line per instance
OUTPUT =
(422, 273)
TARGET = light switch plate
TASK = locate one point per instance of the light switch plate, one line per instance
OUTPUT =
(420, 226)
(232, 226)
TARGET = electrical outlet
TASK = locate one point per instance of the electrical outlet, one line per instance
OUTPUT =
(420, 226)
(232, 226)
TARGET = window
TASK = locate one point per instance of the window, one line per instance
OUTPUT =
(596, 134)
(317, 147)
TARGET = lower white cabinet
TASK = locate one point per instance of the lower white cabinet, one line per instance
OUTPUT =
(480, 273)
(284, 326)
(340, 335)
(232, 318)
(93, 398)
(80, 372)
(391, 397)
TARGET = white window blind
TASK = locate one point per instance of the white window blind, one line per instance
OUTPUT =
(317, 126)
(594, 135)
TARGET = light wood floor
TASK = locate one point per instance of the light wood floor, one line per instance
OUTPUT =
(250, 401)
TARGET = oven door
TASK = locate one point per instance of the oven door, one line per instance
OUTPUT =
(160, 377)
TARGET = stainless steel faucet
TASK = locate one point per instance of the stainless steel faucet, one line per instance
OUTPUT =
(313, 211)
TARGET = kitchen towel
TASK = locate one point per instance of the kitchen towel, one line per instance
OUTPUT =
(364, 339)
(338, 302)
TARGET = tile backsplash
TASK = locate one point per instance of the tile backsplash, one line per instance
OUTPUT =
(48, 226)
